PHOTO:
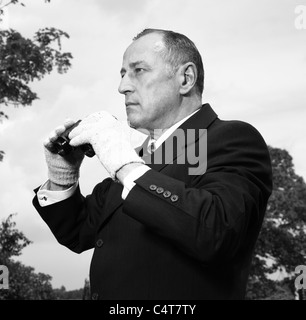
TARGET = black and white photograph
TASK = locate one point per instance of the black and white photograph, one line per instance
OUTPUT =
(152, 151)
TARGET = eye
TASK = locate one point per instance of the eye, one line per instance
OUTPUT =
(139, 70)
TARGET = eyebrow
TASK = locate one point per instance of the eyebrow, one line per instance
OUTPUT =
(133, 65)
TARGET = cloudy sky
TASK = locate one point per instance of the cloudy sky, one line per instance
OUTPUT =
(255, 67)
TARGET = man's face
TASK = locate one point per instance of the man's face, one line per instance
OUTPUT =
(151, 91)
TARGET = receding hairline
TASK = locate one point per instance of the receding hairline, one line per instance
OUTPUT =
(159, 46)
(150, 31)
(159, 43)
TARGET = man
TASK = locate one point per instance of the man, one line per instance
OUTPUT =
(159, 230)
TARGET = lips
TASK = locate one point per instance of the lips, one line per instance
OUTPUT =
(127, 104)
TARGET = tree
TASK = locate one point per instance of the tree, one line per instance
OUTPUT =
(62, 294)
(281, 243)
(24, 283)
(24, 60)
(86, 291)
(12, 241)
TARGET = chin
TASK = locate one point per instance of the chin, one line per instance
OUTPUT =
(134, 124)
(133, 120)
(137, 124)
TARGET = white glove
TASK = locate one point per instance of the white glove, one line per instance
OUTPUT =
(64, 171)
(109, 138)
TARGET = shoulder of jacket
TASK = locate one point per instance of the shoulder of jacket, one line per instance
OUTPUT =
(235, 126)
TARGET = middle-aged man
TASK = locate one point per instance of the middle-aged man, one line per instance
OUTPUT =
(160, 230)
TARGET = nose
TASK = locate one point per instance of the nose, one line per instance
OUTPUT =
(125, 85)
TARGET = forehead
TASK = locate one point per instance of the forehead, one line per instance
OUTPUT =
(146, 48)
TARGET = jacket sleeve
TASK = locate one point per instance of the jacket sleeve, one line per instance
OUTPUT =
(217, 215)
(74, 221)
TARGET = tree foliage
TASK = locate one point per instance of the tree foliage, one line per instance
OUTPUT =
(12, 241)
(281, 244)
(62, 294)
(24, 283)
(86, 291)
(24, 60)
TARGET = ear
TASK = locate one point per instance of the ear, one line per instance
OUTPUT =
(188, 77)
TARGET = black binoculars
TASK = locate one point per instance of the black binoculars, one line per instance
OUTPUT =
(63, 148)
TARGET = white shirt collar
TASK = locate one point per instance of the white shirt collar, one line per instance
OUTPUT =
(168, 132)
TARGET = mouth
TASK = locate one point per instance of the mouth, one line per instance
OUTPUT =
(128, 104)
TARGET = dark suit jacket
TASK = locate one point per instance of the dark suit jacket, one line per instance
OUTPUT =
(176, 236)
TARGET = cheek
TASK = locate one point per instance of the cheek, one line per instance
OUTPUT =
(158, 92)
(164, 96)
(156, 96)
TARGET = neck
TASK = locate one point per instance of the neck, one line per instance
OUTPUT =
(187, 107)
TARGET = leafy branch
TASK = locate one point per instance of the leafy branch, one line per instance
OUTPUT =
(24, 60)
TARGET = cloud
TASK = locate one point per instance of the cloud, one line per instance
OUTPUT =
(129, 9)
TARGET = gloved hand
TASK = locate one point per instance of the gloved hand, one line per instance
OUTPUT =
(62, 171)
(109, 138)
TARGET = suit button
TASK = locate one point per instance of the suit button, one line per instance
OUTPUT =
(153, 187)
(174, 198)
(99, 243)
(95, 296)
(167, 194)
(160, 190)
